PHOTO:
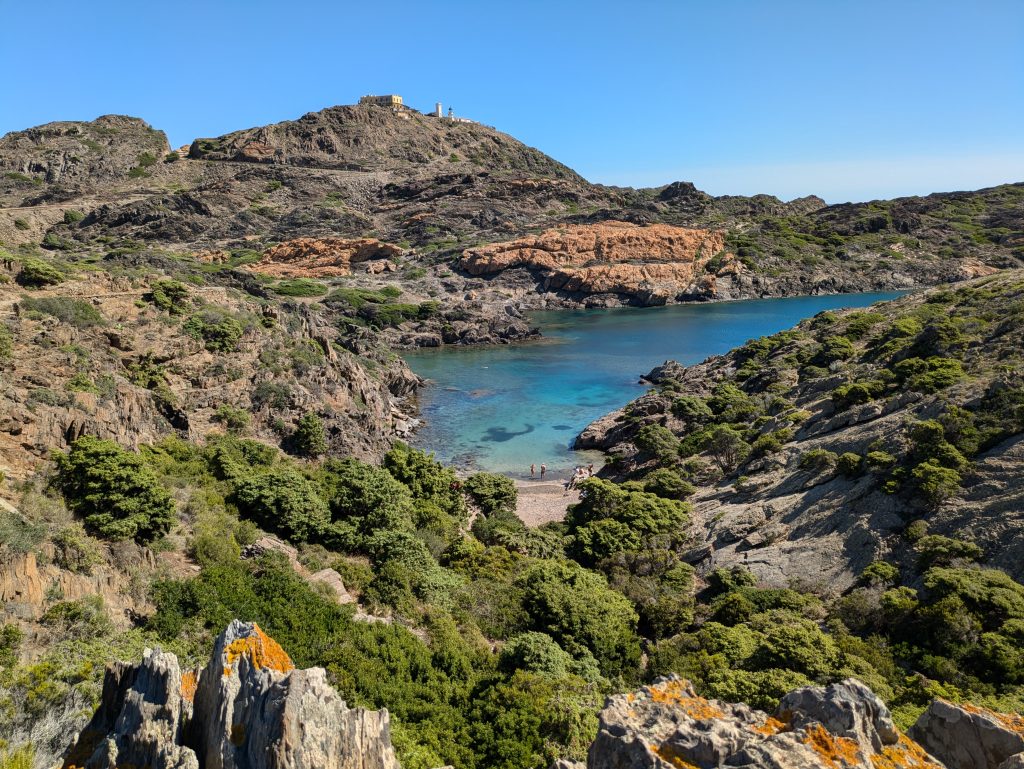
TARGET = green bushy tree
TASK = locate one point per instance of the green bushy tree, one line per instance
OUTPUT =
(113, 491)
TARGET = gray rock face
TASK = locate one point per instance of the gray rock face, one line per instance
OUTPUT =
(967, 737)
(668, 725)
(248, 709)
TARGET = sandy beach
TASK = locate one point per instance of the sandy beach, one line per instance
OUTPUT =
(543, 501)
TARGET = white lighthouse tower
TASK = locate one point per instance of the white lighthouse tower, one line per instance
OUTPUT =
(437, 110)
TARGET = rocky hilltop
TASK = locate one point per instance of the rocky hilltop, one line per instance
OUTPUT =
(369, 138)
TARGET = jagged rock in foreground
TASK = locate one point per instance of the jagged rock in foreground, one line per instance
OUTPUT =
(969, 737)
(249, 708)
(841, 726)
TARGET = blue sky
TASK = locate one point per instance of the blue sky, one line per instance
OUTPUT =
(848, 100)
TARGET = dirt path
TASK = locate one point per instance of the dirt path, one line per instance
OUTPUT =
(543, 501)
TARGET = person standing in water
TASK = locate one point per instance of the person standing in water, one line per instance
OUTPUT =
(533, 470)
(543, 469)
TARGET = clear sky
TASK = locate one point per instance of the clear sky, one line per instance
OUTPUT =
(850, 100)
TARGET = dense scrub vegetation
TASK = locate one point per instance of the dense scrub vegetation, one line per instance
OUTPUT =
(500, 642)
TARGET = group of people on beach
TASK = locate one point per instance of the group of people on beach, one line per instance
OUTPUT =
(579, 475)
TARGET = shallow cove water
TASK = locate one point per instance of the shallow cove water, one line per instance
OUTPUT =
(502, 408)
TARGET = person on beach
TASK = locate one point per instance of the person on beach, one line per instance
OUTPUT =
(533, 470)
(543, 469)
(590, 470)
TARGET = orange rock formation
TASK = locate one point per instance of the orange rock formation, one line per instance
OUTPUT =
(321, 257)
(612, 257)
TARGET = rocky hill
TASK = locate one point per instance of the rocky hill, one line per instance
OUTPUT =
(443, 190)
(819, 450)
(201, 416)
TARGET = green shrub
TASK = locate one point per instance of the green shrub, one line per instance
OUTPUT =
(272, 395)
(282, 500)
(219, 332)
(363, 501)
(667, 483)
(75, 312)
(300, 287)
(853, 394)
(692, 410)
(879, 572)
(11, 637)
(234, 420)
(937, 550)
(492, 493)
(85, 618)
(72, 216)
(657, 442)
(75, 550)
(818, 460)
(611, 519)
(35, 273)
(578, 610)
(310, 436)
(171, 296)
(113, 490)
(936, 483)
(849, 464)
(6, 344)
(727, 447)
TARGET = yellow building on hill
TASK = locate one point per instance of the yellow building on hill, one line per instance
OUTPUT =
(388, 100)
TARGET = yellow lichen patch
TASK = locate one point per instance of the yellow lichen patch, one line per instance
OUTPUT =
(905, 754)
(835, 752)
(189, 682)
(668, 754)
(262, 651)
(771, 726)
(1012, 721)
(677, 693)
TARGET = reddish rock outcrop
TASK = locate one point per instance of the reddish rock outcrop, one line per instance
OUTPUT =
(653, 264)
(323, 257)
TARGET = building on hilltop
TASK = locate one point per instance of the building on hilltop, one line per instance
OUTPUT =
(392, 100)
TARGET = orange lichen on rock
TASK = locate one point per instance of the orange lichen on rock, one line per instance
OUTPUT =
(189, 683)
(835, 752)
(262, 651)
(1012, 721)
(905, 754)
(321, 257)
(678, 694)
(771, 726)
(668, 754)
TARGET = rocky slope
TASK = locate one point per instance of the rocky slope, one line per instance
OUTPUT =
(130, 354)
(840, 433)
(435, 188)
(842, 725)
(249, 707)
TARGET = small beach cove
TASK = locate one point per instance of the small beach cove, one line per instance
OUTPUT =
(503, 408)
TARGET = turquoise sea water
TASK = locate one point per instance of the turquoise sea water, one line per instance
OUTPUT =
(501, 408)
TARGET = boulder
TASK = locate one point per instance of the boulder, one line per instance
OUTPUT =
(248, 708)
(841, 726)
(969, 737)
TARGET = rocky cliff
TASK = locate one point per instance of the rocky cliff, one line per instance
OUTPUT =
(648, 265)
(248, 708)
